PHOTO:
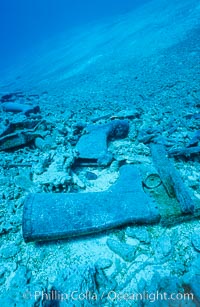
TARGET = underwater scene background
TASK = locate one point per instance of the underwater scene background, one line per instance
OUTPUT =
(99, 153)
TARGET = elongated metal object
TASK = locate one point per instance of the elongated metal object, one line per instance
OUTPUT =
(17, 107)
(56, 216)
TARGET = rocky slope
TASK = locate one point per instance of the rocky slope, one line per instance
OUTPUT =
(147, 61)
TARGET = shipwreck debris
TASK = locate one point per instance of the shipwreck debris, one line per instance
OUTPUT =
(20, 134)
(171, 178)
(18, 107)
(184, 152)
(93, 144)
(56, 216)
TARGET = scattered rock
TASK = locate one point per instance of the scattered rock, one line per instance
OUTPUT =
(77, 181)
(139, 233)
(146, 135)
(5, 228)
(43, 144)
(24, 182)
(62, 129)
(195, 139)
(11, 96)
(105, 159)
(9, 250)
(103, 263)
(21, 277)
(85, 280)
(163, 247)
(91, 175)
(78, 128)
(114, 167)
(196, 241)
(184, 152)
(125, 251)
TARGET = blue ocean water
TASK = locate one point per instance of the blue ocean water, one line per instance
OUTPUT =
(25, 24)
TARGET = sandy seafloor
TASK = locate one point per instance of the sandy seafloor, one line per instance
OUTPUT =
(146, 60)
